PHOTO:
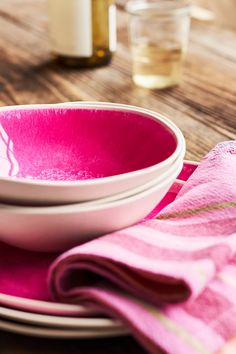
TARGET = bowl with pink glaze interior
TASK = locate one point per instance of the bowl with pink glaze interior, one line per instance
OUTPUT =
(76, 152)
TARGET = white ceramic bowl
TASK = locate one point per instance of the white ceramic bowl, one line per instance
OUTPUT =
(60, 227)
(58, 154)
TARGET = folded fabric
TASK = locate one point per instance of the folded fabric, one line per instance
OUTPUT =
(170, 279)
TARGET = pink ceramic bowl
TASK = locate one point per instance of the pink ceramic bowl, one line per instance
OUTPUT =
(53, 154)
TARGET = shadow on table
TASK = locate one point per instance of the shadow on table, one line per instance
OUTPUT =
(11, 343)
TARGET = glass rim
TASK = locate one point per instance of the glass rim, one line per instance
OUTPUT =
(162, 8)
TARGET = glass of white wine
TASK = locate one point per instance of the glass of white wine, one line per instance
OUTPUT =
(158, 35)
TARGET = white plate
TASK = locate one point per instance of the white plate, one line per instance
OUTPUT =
(42, 307)
(44, 332)
(59, 321)
(62, 227)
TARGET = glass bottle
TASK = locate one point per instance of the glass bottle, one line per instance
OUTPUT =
(83, 32)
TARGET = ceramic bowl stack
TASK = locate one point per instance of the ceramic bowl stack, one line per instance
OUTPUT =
(71, 172)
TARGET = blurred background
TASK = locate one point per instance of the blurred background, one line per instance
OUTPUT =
(203, 105)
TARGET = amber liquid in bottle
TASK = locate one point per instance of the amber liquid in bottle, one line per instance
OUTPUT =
(103, 33)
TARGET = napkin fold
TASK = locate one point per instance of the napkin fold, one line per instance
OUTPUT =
(171, 279)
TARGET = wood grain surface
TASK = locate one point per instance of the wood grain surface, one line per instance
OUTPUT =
(224, 11)
(203, 106)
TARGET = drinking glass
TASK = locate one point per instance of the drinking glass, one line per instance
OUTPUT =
(158, 32)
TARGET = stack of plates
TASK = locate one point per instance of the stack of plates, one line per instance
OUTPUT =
(69, 173)
(25, 304)
(74, 171)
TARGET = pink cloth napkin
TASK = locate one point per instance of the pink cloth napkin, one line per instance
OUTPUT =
(171, 280)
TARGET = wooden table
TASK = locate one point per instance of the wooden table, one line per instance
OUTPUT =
(203, 106)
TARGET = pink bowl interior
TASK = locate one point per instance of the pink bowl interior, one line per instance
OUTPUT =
(80, 143)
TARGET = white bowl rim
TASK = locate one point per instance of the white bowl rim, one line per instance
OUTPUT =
(180, 142)
(138, 189)
(74, 208)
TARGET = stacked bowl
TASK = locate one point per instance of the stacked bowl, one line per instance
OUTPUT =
(71, 172)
